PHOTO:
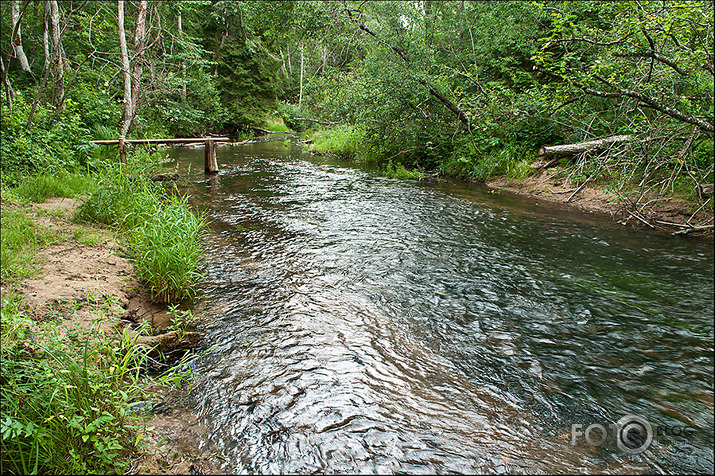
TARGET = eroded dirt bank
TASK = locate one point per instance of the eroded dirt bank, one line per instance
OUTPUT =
(668, 215)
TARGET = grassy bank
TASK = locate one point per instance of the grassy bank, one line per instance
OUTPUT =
(410, 160)
(661, 193)
(69, 394)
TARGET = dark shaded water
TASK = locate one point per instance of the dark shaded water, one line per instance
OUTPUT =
(370, 325)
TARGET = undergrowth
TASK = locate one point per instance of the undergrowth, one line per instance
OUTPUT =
(343, 141)
(20, 240)
(65, 405)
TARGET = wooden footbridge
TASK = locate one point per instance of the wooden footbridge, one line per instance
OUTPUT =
(209, 147)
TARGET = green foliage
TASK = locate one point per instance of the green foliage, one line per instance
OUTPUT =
(400, 172)
(287, 112)
(44, 147)
(341, 140)
(61, 184)
(181, 321)
(163, 234)
(276, 123)
(65, 406)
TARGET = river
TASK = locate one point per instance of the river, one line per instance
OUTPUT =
(371, 325)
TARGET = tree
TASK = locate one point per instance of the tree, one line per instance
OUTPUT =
(656, 55)
(17, 36)
(127, 115)
(133, 78)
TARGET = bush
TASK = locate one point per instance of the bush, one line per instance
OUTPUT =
(287, 112)
(45, 146)
(65, 405)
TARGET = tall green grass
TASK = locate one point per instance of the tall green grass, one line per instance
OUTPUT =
(276, 123)
(65, 406)
(164, 235)
(53, 184)
(341, 140)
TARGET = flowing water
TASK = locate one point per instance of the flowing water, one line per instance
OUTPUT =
(371, 325)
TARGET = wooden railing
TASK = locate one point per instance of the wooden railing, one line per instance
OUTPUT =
(209, 147)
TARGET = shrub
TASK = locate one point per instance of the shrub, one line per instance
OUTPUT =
(65, 401)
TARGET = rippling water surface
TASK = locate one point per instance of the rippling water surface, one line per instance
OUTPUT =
(370, 325)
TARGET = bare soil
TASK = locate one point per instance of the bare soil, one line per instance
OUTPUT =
(86, 285)
(664, 214)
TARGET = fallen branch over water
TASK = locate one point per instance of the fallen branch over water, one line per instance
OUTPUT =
(325, 123)
(693, 229)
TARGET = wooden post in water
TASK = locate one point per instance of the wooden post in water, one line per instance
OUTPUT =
(122, 151)
(210, 157)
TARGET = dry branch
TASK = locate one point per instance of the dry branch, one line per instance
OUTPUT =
(573, 149)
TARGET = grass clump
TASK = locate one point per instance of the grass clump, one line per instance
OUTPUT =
(164, 235)
(20, 239)
(276, 123)
(61, 184)
(400, 172)
(341, 140)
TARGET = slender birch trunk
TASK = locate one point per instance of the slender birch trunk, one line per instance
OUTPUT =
(139, 47)
(127, 115)
(183, 65)
(17, 39)
(300, 96)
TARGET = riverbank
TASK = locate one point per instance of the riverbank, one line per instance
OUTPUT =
(678, 212)
(71, 298)
(665, 214)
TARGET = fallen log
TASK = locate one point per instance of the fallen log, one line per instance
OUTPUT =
(325, 123)
(694, 229)
(573, 149)
(164, 177)
(262, 130)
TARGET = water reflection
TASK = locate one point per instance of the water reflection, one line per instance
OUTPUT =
(372, 325)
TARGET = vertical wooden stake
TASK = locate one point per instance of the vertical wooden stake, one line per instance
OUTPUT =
(122, 151)
(210, 157)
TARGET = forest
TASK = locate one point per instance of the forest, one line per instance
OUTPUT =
(466, 89)
(614, 95)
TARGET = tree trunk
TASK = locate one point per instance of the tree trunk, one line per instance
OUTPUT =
(300, 96)
(183, 66)
(46, 42)
(17, 39)
(9, 92)
(573, 149)
(139, 47)
(128, 108)
(53, 14)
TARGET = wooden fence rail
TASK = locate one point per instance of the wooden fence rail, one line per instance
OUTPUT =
(211, 166)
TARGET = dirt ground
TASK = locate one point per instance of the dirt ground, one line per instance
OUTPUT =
(83, 285)
(663, 215)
